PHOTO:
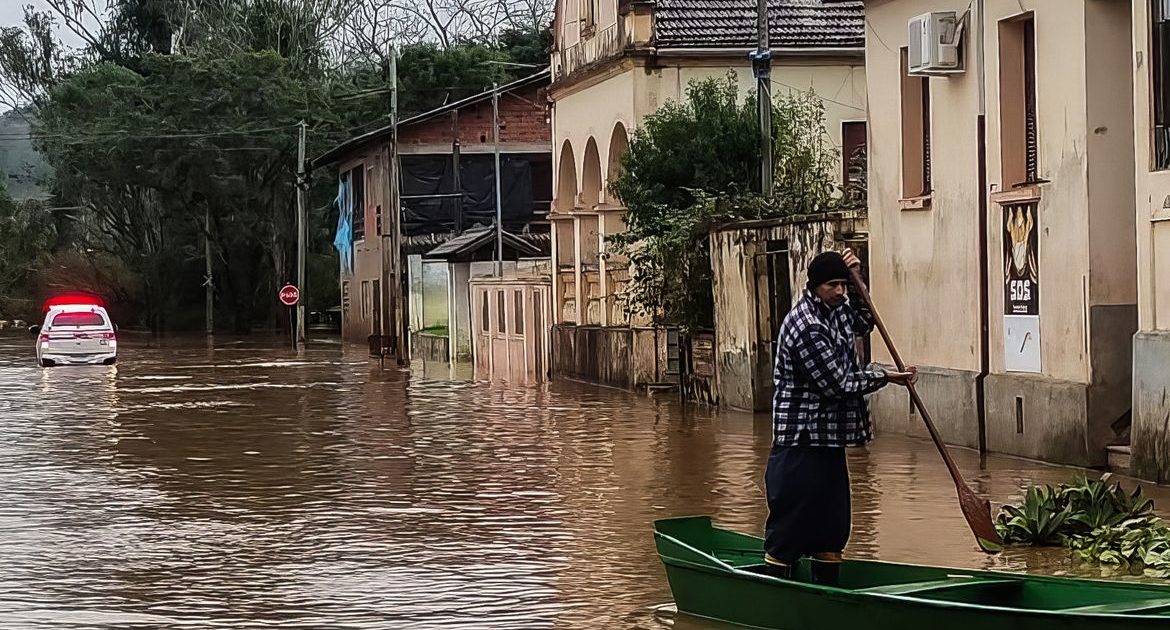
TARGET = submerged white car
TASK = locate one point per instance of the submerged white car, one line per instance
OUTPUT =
(76, 334)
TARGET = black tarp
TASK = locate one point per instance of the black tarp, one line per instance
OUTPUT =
(426, 176)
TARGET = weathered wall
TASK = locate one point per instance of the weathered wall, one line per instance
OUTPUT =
(594, 354)
(367, 252)
(429, 347)
(743, 355)
(649, 357)
(625, 357)
(949, 396)
(1151, 406)
(1150, 434)
(460, 310)
(925, 269)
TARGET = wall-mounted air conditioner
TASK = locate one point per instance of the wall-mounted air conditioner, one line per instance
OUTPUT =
(934, 43)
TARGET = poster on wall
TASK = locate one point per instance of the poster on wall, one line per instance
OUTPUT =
(1021, 343)
(1021, 272)
(1021, 290)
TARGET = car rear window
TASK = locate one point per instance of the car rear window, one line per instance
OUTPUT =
(79, 319)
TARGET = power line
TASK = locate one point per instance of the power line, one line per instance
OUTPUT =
(134, 135)
(827, 100)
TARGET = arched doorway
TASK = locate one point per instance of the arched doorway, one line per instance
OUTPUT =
(566, 179)
(591, 176)
(619, 144)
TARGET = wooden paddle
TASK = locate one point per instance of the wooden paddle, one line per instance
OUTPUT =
(976, 510)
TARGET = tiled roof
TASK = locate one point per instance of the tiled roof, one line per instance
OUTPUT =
(732, 23)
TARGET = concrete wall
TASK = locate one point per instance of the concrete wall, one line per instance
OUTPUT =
(429, 347)
(743, 356)
(459, 317)
(925, 262)
(1150, 435)
(1151, 406)
(414, 282)
(625, 357)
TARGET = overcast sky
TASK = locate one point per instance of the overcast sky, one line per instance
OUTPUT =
(12, 14)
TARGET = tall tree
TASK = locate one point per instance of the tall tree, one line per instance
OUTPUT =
(695, 163)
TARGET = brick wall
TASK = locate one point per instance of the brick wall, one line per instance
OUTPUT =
(521, 122)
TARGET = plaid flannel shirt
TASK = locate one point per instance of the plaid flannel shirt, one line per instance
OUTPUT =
(819, 386)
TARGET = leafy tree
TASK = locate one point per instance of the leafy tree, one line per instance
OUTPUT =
(695, 163)
(123, 148)
(527, 46)
(27, 237)
(169, 116)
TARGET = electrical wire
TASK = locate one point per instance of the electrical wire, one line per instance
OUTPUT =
(129, 134)
(823, 98)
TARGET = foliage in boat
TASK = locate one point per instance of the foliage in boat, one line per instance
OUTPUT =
(1096, 519)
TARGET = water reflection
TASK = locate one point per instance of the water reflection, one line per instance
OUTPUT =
(247, 486)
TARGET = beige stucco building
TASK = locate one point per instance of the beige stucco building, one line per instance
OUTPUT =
(1151, 80)
(616, 61)
(1001, 224)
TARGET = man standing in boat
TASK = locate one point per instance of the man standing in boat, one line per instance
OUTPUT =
(818, 410)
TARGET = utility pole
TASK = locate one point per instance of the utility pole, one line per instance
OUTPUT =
(208, 282)
(499, 206)
(302, 232)
(395, 211)
(762, 68)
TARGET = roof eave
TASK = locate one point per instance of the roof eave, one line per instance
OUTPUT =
(781, 51)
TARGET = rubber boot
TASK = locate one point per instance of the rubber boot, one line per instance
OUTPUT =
(825, 569)
(777, 569)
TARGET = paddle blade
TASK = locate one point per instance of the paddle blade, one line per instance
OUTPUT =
(977, 511)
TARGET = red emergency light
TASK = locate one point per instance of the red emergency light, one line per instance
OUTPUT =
(75, 297)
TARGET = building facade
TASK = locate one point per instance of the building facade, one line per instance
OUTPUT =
(1002, 234)
(446, 173)
(613, 63)
(1151, 346)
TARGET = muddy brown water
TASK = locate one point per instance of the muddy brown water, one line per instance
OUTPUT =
(246, 486)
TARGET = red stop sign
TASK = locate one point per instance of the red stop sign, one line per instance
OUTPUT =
(289, 295)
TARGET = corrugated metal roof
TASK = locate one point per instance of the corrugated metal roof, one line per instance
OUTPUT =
(732, 23)
(478, 237)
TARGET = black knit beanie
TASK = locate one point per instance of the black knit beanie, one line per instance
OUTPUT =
(825, 267)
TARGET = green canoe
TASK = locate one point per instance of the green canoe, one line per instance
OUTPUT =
(713, 573)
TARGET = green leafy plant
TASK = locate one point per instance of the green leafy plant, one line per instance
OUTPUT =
(1040, 520)
(1097, 503)
(1096, 519)
(696, 163)
(1126, 544)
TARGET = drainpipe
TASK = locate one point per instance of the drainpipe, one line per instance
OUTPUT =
(984, 279)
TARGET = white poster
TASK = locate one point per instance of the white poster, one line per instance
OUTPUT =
(1021, 340)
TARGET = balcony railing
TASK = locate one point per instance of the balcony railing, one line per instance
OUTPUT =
(604, 44)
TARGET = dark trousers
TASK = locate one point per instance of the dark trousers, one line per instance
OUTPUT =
(808, 502)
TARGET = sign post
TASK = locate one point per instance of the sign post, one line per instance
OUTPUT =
(289, 296)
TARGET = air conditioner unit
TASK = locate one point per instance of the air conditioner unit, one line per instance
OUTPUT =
(933, 40)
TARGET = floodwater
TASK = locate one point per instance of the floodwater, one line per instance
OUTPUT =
(246, 486)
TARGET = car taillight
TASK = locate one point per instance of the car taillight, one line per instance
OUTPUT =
(111, 336)
(44, 338)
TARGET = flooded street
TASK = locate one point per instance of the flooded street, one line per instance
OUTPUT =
(248, 487)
